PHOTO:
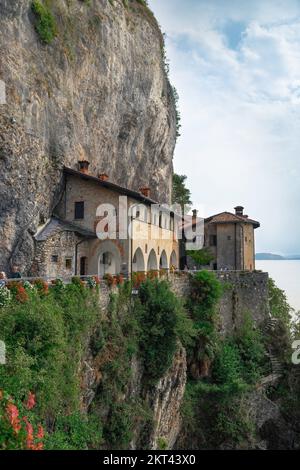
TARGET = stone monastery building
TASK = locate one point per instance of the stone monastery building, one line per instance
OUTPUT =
(71, 242)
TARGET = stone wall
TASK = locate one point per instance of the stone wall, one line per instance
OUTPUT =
(243, 292)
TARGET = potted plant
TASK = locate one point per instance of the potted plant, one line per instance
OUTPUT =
(110, 280)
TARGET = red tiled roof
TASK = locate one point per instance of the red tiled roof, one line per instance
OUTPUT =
(109, 185)
(228, 217)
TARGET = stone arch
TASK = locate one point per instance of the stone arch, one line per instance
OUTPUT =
(163, 262)
(152, 261)
(173, 260)
(138, 261)
(109, 259)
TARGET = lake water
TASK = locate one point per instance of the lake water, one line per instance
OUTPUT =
(286, 275)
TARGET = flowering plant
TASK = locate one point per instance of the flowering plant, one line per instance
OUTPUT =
(110, 279)
(4, 296)
(138, 278)
(16, 430)
(42, 286)
(97, 280)
(91, 283)
(76, 281)
(21, 294)
(58, 284)
(120, 279)
(153, 274)
(17, 291)
(28, 286)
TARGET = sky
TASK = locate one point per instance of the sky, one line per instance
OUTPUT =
(236, 67)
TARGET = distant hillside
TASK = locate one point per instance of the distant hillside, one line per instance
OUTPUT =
(272, 256)
(268, 256)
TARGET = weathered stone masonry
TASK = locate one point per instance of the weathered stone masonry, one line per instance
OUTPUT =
(243, 292)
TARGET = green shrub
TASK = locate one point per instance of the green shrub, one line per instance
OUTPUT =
(201, 257)
(46, 24)
(227, 365)
(118, 431)
(142, 2)
(44, 343)
(76, 431)
(213, 409)
(206, 292)
(158, 320)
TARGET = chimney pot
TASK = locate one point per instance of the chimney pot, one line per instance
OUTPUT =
(239, 210)
(83, 166)
(145, 191)
(103, 176)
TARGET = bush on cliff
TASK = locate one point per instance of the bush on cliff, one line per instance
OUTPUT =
(235, 364)
(162, 321)
(49, 337)
(45, 341)
(46, 24)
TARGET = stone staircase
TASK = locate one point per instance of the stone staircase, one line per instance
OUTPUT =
(276, 365)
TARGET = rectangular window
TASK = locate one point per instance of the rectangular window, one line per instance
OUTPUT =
(213, 240)
(83, 266)
(79, 210)
(229, 237)
(54, 259)
(68, 263)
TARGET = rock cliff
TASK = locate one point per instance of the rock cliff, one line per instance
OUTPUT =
(97, 91)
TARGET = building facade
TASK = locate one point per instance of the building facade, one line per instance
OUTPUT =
(101, 228)
(230, 238)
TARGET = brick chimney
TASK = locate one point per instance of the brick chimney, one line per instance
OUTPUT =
(103, 176)
(145, 191)
(83, 166)
(239, 210)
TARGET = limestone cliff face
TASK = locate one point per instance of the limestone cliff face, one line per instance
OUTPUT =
(166, 403)
(163, 399)
(98, 91)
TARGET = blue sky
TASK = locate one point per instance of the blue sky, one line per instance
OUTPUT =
(236, 66)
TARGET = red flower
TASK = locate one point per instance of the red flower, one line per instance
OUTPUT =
(21, 295)
(13, 417)
(40, 433)
(30, 401)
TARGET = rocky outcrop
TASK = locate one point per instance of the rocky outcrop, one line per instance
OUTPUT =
(164, 399)
(98, 91)
(166, 403)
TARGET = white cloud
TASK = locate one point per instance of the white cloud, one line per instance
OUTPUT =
(240, 107)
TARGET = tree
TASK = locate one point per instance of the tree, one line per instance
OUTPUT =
(201, 257)
(181, 194)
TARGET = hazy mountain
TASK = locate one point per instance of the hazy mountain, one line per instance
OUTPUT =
(272, 256)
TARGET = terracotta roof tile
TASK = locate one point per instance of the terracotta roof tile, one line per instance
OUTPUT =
(228, 217)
